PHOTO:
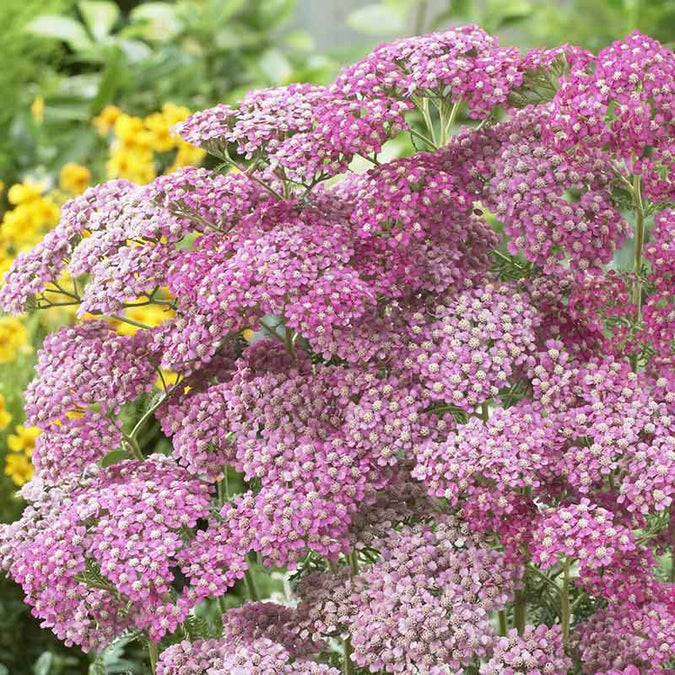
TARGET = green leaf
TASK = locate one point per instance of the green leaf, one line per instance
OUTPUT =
(509, 9)
(110, 661)
(43, 665)
(114, 457)
(236, 37)
(274, 13)
(61, 28)
(135, 50)
(377, 20)
(109, 83)
(160, 19)
(457, 9)
(226, 9)
(100, 16)
(299, 41)
(275, 66)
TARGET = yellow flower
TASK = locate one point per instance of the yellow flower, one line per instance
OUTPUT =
(168, 378)
(45, 212)
(5, 417)
(13, 335)
(23, 439)
(161, 137)
(187, 155)
(131, 133)
(18, 468)
(74, 178)
(21, 193)
(174, 113)
(6, 258)
(37, 109)
(24, 226)
(137, 167)
(105, 121)
(247, 334)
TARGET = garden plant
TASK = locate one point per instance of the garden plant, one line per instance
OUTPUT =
(428, 392)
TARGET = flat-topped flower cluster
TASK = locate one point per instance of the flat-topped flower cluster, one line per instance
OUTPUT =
(450, 418)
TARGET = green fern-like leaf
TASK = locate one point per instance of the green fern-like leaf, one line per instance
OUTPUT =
(110, 661)
(512, 268)
(197, 628)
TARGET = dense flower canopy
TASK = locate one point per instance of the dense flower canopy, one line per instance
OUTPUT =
(451, 419)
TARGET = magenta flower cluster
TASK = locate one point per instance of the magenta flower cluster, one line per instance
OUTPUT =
(424, 390)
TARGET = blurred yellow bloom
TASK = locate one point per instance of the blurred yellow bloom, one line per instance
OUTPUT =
(6, 258)
(150, 315)
(24, 226)
(70, 414)
(13, 335)
(161, 137)
(187, 155)
(37, 109)
(5, 417)
(21, 193)
(247, 334)
(74, 178)
(105, 121)
(137, 167)
(174, 113)
(18, 468)
(23, 439)
(131, 133)
(168, 378)
(138, 140)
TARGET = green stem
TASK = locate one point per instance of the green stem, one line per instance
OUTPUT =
(519, 611)
(565, 611)
(222, 489)
(353, 563)
(671, 576)
(290, 342)
(632, 8)
(250, 585)
(446, 124)
(135, 448)
(153, 652)
(422, 137)
(347, 664)
(421, 15)
(543, 577)
(639, 208)
(126, 319)
(424, 108)
(146, 416)
(503, 623)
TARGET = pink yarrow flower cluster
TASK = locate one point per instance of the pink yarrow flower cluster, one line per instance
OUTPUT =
(425, 393)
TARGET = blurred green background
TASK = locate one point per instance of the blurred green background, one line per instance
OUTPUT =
(81, 82)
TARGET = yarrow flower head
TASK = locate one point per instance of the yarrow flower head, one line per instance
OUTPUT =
(537, 650)
(120, 527)
(462, 63)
